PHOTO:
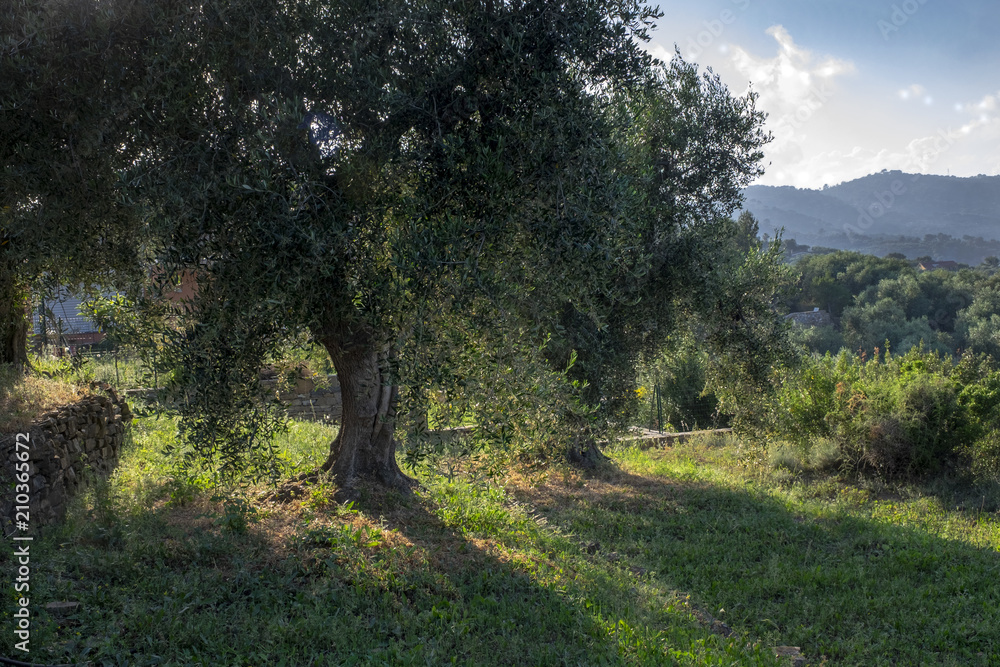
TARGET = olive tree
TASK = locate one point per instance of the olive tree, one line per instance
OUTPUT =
(68, 96)
(443, 195)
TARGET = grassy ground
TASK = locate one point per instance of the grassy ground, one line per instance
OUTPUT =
(855, 574)
(459, 574)
(99, 366)
(669, 557)
(22, 398)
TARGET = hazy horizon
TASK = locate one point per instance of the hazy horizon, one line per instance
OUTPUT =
(910, 176)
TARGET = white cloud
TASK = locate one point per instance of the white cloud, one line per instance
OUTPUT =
(914, 90)
(830, 126)
(932, 153)
(791, 80)
(820, 136)
(793, 86)
(983, 112)
(658, 51)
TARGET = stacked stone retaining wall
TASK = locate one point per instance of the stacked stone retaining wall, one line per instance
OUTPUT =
(56, 456)
(311, 400)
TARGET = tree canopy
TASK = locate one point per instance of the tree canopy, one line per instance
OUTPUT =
(68, 98)
(505, 201)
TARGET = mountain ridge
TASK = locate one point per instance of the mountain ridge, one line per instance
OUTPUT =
(855, 214)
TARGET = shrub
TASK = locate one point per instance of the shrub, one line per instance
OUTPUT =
(894, 416)
(821, 339)
(980, 399)
(901, 424)
(807, 396)
(984, 457)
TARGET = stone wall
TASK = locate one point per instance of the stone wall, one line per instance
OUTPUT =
(65, 449)
(307, 399)
(310, 402)
(811, 318)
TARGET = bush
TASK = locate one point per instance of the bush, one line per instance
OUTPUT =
(807, 397)
(820, 339)
(909, 415)
(984, 457)
(903, 424)
(980, 399)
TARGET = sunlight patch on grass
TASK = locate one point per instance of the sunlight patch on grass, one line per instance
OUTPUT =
(25, 397)
(460, 571)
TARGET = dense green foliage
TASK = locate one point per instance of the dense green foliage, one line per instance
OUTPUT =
(902, 386)
(507, 204)
(894, 416)
(672, 396)
(67, 107)
(716, 366)
(881, 301)
(831, 281)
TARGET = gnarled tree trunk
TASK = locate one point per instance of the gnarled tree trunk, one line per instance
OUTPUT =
(365, 447)
(584, 452)
(13, 319)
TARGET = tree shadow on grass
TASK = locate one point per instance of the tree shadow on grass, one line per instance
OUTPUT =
(856, 590)
(504, 607)
(315, 586)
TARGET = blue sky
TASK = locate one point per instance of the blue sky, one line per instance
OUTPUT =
(854, 87)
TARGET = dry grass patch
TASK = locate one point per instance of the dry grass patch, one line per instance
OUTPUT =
(25, 397)
(625, 490)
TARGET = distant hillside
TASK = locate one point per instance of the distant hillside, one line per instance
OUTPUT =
(873, 212)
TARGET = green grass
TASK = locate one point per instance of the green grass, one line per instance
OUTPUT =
(100, 366)
(673, 556)
(168, 573)
(855, 575)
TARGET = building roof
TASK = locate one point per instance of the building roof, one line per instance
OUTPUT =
(946, 264)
